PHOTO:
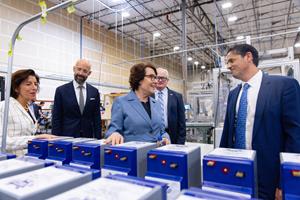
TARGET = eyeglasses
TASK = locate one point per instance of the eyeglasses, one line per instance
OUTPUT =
(152, 77)
(161, 78)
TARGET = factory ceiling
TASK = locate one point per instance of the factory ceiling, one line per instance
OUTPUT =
(208, 22)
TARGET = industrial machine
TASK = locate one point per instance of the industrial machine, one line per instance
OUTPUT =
(117, 187)
(128, 158)
(39, 147)
(290, 175)
(231, 171)
(198, 194)
(20, 165)
(43, 183)
(89, 154)
(5, 156)
(177, 165)
(60, 151)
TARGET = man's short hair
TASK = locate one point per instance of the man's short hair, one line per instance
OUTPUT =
(242, 49)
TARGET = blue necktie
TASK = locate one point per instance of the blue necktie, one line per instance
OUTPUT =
(161, 102)
(240, 131)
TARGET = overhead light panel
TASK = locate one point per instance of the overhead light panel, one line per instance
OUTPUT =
(176, 48)
(232, 19)
(196, 63)
(297, 45)
(299, 28)
(156, 34)
(190, 58)
(226, 5)
(240, 37)
(125, 14)
(203, 67)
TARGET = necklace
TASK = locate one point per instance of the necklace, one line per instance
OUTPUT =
(26, 107)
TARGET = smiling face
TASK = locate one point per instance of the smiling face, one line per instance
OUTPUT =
(147, 85)
(240, 66)
(27, 90)
(81, 70)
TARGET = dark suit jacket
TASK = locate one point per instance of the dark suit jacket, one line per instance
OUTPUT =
(36, 110)
(276, 127)
(176, 117)
(66, 117)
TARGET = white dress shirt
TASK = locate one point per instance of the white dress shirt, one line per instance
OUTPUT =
(77, 91)
(165, 98)
(253, 91)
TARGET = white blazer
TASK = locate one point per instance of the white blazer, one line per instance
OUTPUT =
(20, 127)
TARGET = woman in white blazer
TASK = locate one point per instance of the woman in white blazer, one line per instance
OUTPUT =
(21, 123)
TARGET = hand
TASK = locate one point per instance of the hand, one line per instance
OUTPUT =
(115, 138)
(278, 194)
(45, 136)
(165, 141)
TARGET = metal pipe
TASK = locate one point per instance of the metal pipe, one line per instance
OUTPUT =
(81, 33)
(10, 64)
(183, 43)
(206, 46)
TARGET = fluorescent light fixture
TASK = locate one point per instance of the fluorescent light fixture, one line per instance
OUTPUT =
(297, 45)
(232, 18)
(226, 5)
(176, 48)
(196, 63)
(240, 37)
(203, 67)
(299, 28)
(190, 58)
(125, 14)
(156, 34)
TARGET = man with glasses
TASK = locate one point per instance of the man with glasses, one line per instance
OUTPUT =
(172, 108)
(76, 110)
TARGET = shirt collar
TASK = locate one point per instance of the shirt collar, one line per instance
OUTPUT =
(76, 85)
(164, 91)
(255, 81)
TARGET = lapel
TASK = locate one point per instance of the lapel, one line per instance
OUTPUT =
(235, 95)
(22, 110)
(170, 99)
(263, 93)
(73, 96)
(88, 97)
(135, 103)
(153, 111)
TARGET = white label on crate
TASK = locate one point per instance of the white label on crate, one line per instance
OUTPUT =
(179, 147)
(101, 142)
(13, 164)
(135, 144)
(77, 140)
(107, 189)
(36, 181)
(173, 190)
(107, 172)
(185, 197)
(290, 157)
(233, 153)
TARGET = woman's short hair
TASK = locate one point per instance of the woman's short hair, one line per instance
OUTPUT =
(137, 73)
(18, 77)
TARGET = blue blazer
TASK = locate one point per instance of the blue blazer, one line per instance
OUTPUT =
(276, 127)
(130, 119)
(66, 117)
